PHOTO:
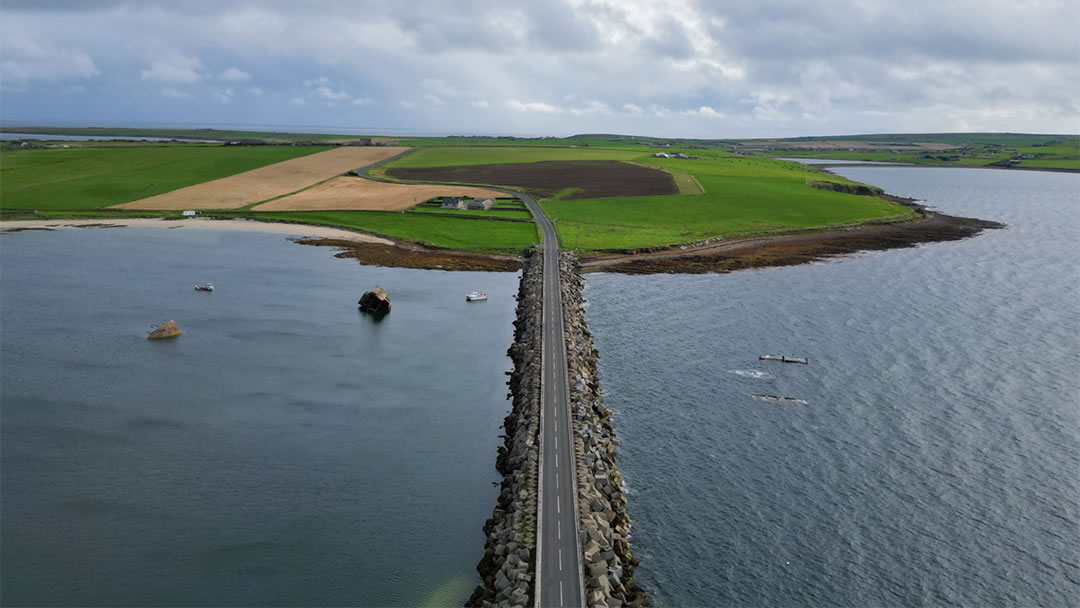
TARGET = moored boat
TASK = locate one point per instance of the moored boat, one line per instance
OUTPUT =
(475, 296)
(206, 287)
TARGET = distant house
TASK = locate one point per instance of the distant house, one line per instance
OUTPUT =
(680, 155)
(452, 202)
(661, 155)
(188, 213)
(481, 204)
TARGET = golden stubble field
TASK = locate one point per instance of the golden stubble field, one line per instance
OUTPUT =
(266, 182)
(356, 193)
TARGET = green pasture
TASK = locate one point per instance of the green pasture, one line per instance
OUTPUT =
(503, 208)
(205, 134)
(743, 166)
(731, 205)
(493, 155)
(92, 178)
(466, 233)
(1059, 155)
(957, 139)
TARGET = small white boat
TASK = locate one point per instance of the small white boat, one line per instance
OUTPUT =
(207, 287)
(785, 359)
(475, 296)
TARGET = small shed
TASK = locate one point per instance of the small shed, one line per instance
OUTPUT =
(452, 202)
(188, 213)
(482, 204)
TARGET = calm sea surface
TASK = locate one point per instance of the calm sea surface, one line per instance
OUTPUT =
(286, 450)
(936, 461)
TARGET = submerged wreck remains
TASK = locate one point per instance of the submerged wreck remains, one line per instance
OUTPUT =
(375, 302)
(166, 330)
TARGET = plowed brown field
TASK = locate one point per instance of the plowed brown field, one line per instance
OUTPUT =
(266, 182)
(593, 178)
(356, 193)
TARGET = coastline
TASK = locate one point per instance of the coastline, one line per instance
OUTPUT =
(793, 248)
(712, 257)
(300, 230)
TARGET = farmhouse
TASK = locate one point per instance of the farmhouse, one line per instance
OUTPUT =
(452, 202)
(481, 204)
(661, 155)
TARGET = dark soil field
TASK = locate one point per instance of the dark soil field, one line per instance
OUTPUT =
(589, 179)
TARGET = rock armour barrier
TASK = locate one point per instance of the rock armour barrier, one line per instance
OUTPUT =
(509, 563)
(605, 525)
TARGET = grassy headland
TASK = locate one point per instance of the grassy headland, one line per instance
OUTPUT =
(729, 195)
(723, 190)
(493, 155)
(467, 233)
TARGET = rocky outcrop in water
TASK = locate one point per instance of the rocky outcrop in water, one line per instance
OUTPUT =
(509, 563)
(605, 525)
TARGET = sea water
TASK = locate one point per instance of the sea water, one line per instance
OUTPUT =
(935, 460)
(285, 450)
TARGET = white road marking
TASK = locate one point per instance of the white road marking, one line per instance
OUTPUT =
(556, 482)
(558, 504)
(560, 528)
(560, 559)
(560, 593)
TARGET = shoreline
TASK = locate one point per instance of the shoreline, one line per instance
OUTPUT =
(298, 230)
(719, 256)
(794, 248)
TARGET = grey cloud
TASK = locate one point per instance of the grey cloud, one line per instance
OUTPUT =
(671, 40)
(760, 64)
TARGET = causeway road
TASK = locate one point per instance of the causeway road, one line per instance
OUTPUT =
(559, 578)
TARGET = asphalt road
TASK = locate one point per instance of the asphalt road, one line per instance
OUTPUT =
(558, 560)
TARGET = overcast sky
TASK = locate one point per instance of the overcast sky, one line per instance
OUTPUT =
(714, 69)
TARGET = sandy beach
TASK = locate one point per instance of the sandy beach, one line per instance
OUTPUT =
(323, 232)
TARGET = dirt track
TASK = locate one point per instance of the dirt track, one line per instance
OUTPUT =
(595, 178)
(266, 182)
(355, 193)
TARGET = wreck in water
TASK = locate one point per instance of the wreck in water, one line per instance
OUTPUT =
(375, 302)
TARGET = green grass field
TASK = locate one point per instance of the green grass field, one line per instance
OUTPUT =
(1060, 155)
(450, 156)
(91, 178)
(742, 195)
(503, 208)
(731, 205)
(467, 233)
(205, 134)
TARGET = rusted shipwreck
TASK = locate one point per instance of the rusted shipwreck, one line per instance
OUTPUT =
(375, 302)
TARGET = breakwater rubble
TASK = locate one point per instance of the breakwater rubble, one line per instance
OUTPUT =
(605, 524)
(508, 567)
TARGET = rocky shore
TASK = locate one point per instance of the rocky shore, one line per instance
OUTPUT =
(796, 248)
(509, 563)
(605, 525)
